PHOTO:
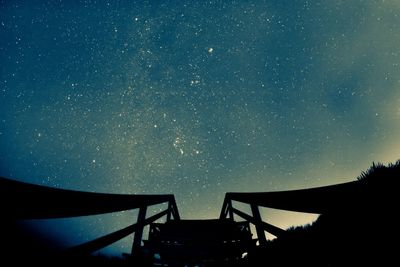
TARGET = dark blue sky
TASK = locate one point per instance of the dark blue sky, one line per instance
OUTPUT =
(197, 98)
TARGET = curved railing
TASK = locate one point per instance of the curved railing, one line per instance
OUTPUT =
(19, 201)
(317, 200)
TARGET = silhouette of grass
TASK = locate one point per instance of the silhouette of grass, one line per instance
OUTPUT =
(358, 234)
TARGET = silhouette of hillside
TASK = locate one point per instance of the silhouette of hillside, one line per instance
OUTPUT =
(360, 231)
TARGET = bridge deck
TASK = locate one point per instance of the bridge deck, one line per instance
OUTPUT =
(199, 241)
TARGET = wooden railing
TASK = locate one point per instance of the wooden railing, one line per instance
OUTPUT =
(319, 200)
(19, 201)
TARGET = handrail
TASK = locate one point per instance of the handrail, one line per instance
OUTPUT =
(317, 200)
(311, 200)
(19, 201)
(276, 231)
(101, 242)
(28, 201)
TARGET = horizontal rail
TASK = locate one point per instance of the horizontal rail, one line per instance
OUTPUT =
(272, 229)
(28, 201)
(19, 201)
(313, 200)
(101, 242)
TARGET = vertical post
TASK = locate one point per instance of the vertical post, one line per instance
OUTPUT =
(223, 210)
(257, 224)
(230, 211)
(226, 211)
(169, 211)
(175, 212)
(137, 241)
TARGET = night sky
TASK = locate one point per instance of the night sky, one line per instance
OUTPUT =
(196, 98)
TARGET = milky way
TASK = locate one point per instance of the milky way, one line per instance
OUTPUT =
(196, 99)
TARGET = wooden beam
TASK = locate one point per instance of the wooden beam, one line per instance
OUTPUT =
(257, 223)
(101, 242)
(229, 210)
(175, 211)
(272, 229)
(224, 210)
(312, 200)
(170, 210)
(139, 232)
(20, 200)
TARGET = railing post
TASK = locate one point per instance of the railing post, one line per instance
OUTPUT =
(169, 211)
(222, 215)
(226, 211)
(175, 212)
(257, 224)
(137, 241)
(230, 211)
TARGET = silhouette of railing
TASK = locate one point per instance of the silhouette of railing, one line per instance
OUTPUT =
(317, 200)
(19, 201)
(340, 235)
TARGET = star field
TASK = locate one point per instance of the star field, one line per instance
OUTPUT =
(197, 98)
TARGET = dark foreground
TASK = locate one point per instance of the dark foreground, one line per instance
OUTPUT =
(363, 232)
